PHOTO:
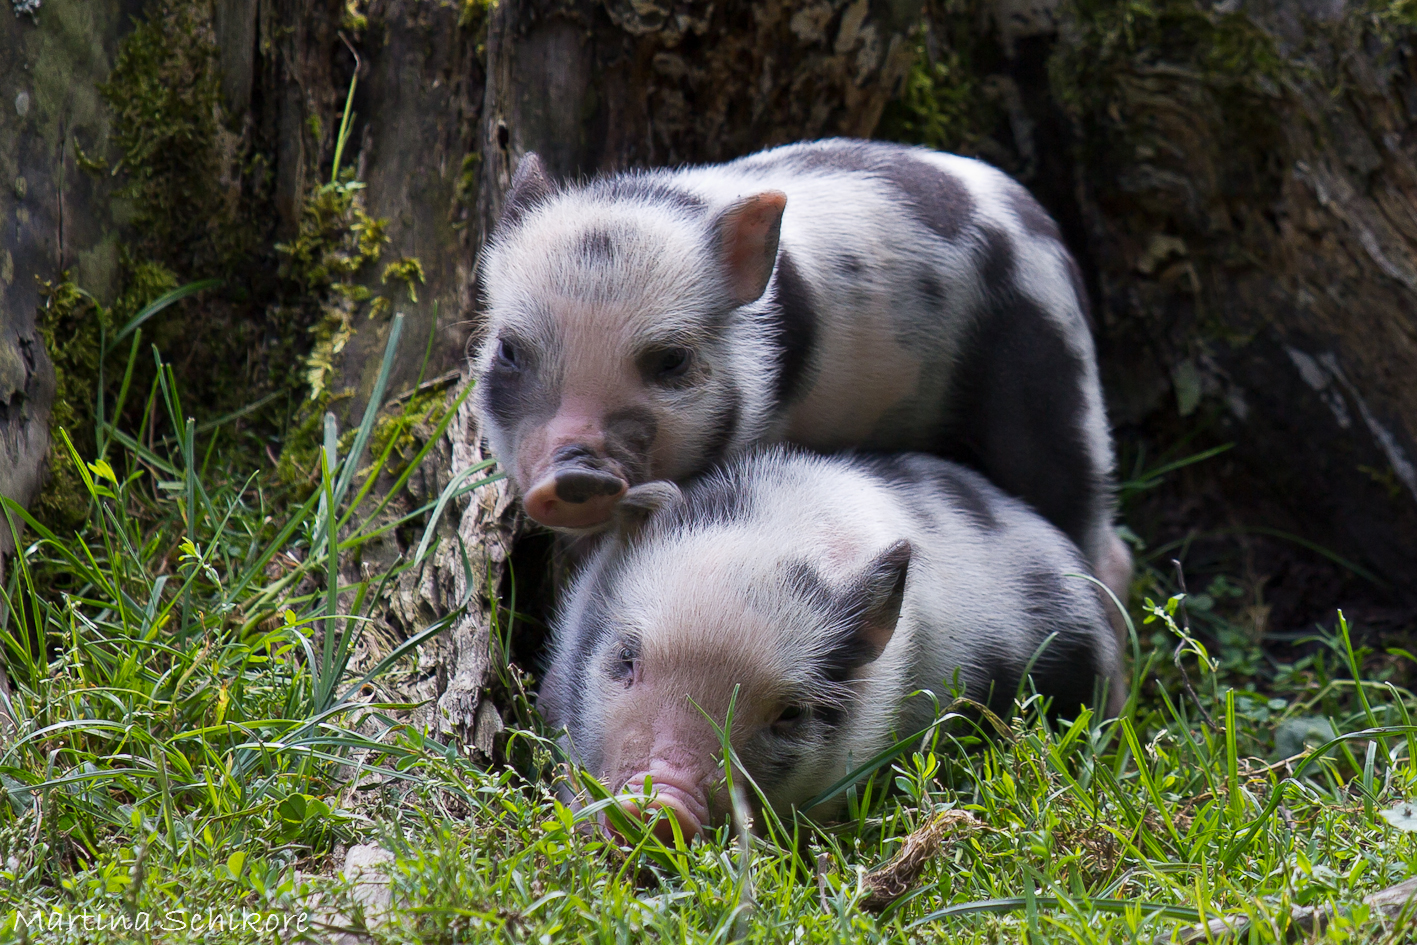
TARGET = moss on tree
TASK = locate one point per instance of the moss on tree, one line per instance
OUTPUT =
(196, 193)
(943, 102)
(183, 168)
(70, 322)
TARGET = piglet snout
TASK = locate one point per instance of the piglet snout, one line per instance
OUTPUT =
(685, 806)
(574, 496)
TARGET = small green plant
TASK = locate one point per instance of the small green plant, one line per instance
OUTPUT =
(940, 104)
(182, 697)
(1092, 829)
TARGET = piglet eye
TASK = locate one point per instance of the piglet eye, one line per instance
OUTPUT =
(672, 362)
(627, 665)
(507, 353)
(792, 714)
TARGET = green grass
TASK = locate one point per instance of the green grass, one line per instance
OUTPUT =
(184, 670)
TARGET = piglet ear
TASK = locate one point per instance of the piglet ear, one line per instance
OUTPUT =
(747, 235)
(639, 503)
(875, 598)
(530, 186)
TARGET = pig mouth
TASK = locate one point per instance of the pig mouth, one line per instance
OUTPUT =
(577, 491)
(676, 797)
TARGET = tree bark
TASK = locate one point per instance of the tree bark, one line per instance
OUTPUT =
(1256, 242)
(1238, 183)
(55, 217)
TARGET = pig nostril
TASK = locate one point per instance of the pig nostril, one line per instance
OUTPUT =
(549, 504)
(582, 485)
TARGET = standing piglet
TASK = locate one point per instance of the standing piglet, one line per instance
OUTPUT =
(825, 590)
(834, 294)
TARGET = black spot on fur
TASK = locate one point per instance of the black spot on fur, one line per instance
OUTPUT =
(1001, 688)
(597, 247)
(646, 188)
(833, 154)
(796, 319)
(1066, 671)
(964, 489)
(773, 768)
(1044, 590)
(847, 655)
(843, 609)
(629, 437)
(803, 581)
(1018, 411)
(722, 498)
(930, 289)
(512, 394)
(1033, 217)
(850, 264)
(831, 717)
(996, 265)
(596, 629)
(937, 199)
(969, 493)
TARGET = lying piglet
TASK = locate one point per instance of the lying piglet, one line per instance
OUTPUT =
(824, 591)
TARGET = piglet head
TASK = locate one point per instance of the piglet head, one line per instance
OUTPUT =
(609, 358)
(695, 647)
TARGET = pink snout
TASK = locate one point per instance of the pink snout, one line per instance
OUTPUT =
(679, 802)
(574, 497)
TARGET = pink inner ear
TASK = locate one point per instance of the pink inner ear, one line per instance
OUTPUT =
(749, 232)
(878, 630)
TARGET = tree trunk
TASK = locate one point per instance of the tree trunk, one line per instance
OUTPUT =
(1255, 231)
(1238, 182)
(54, 218)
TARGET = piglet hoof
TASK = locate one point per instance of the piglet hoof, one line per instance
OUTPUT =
(575, 497)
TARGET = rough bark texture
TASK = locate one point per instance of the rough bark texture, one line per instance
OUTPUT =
(52, 217)
(419, 105)
(1256, 242)
(55, 217)
(1238, 182)
(453, 670)
(593, 87)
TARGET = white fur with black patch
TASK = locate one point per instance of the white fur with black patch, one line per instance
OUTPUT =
(904, 258)
(734, 592)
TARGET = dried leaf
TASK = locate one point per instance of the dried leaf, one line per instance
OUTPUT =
(887, 884)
